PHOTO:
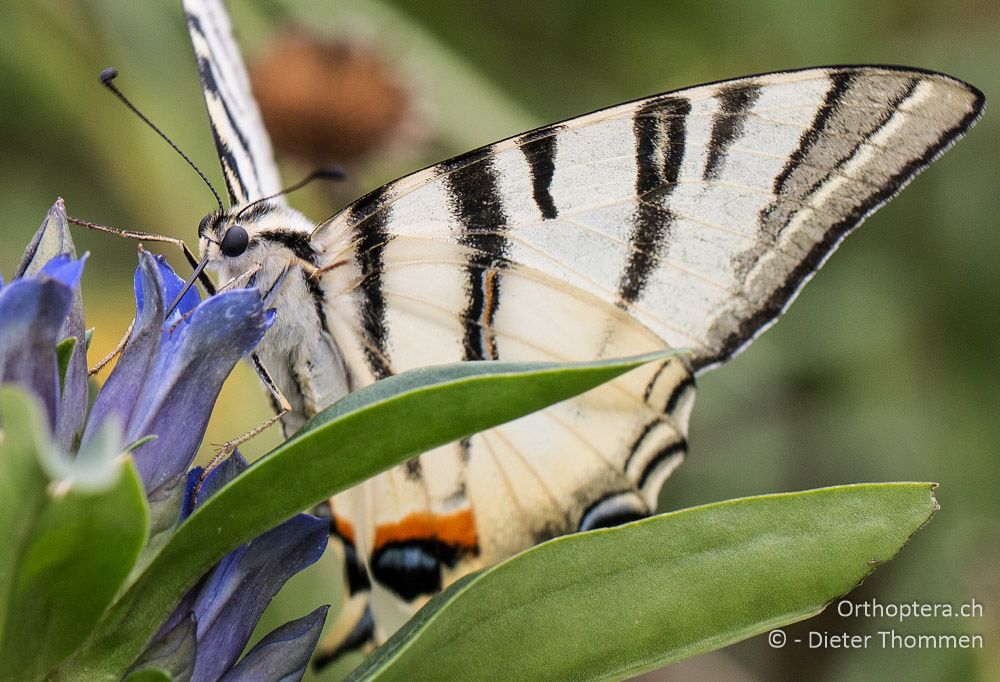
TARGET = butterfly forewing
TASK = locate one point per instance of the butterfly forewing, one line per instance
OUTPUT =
(688, 220)
(702, 212)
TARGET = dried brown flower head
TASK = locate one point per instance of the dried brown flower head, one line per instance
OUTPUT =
(327, 101)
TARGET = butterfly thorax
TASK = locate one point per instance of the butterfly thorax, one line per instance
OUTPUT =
(269, 245)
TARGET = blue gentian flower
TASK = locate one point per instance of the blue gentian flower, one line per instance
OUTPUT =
(171, 371)
(206, 634)
(40, 309)
(167, 378)
(165, 384)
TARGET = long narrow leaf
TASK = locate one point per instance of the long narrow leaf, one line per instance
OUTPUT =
(70, 531)
(367, 432)
(613, 603)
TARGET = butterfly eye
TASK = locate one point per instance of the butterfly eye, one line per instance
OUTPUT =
(235, 241)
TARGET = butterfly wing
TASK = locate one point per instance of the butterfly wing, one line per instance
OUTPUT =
(595, 461)
(241, 140)
(688, 220)
(702, 212)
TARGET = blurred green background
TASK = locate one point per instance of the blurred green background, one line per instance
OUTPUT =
(885, 368)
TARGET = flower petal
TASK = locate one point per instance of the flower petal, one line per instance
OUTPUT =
(73, 400)
(65, 269)
(281, 656)
(173, 650)
(194, 361)
(229, 469)
(72, 412)
(120, 393)
(52, 253)
(170, 286)
(52, 239)
(240, 587)
(32, 312)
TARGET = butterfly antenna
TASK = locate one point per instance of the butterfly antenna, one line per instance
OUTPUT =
(333, 172)
(107, 76)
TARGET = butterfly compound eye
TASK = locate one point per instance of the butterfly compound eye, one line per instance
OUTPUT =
(235, 241)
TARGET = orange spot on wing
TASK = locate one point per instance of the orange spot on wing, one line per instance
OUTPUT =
(343, 528)
(456, 528)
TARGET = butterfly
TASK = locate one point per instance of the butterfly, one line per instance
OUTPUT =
(685, 220)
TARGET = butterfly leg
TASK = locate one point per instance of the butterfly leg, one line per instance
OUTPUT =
(227, 448)
(250, 272)
(148, 237)
(279, 401)
(138, 236)
(317, 273)
(102, 363)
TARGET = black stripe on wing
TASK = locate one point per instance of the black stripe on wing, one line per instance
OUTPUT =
(735, 102)
(539, 150)
(676, 448)
(614, 509)
(474, 199)
(236, 177)
(300, 245)
(660, 129)
(370, 217)
(831, 104)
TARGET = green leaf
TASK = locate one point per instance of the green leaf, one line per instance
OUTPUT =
(365, 433)
(71, 530)
(150, 675)
(64, 352)
(139, 442)
(22, 485)
(613, 603)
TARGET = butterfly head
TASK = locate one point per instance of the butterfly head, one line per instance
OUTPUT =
(265, 234)
(223, 235)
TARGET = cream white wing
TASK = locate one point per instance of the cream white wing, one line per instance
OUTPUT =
(595, 461)
(701, 212)
(688, 220)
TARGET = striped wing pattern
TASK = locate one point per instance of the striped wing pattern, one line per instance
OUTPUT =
(688, 220)
(700, 212)
(241, 141)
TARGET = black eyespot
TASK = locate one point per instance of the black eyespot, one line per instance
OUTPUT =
(235, 241)
(614, 510)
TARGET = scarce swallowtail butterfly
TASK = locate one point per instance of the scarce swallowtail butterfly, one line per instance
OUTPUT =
(686, 220)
